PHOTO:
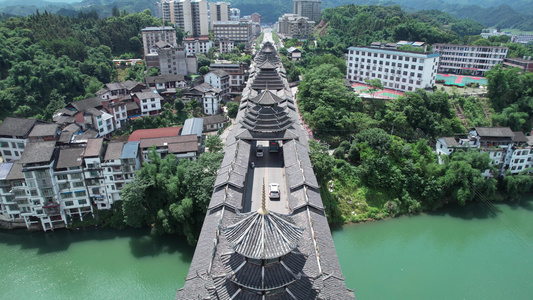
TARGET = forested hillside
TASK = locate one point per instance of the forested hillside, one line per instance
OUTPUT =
(49, 60)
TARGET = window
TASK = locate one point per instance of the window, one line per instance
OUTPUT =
(75, 176)
(69, 203)
(80, 193)
(82, 202)
(7, 153)
(78, 184)
(64, 186)
(62, 177)
(153, 105)
(67, 195)
(4, 144)
(20, 145)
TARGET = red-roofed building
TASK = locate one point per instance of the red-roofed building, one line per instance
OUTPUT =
(137, 135)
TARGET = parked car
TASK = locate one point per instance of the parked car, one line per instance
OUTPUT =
(274, 190)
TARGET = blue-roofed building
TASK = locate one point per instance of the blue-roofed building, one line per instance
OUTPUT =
(131, 160)
(193, 126)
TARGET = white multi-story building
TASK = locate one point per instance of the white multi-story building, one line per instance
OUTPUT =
(102, 121)
(197, 45)
(399, 70)
(112, 171)
(189, 15)
(149, 102)
(68, 174)
(14, 135)
(237, 74)
(41, 191)
(152, 35)
(219, 79)
(219, 11)
(93, 173)
(467, 59)
(507, 150)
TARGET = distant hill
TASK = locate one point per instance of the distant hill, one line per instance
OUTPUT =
(491, 13)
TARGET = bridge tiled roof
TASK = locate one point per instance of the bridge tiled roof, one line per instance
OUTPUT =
(263, 236)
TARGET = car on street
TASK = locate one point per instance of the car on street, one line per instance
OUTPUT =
(274, 190)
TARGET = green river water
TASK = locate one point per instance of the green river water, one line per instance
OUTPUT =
(455, 253)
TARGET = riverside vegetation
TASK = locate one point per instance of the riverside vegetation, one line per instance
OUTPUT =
(383, 163)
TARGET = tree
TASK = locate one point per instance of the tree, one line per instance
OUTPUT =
(214, 143)
(233, 109)
(375, 86)
(203, 70)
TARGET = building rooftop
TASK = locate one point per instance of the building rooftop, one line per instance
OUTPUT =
(16, 126)
(85, 104)
(219, 73)
(114, 151)
(214, 119)
(42, 130)
(16, 172)
(164, 78)
(139, 134)
(130, 150)
(165, 141)
(193, 126)
(158, 28)
(183, 147)
(70, 157)
(38, 152)
(519, 137)
(94, 147)
(494, 132)
(4, 170)
(147, 95)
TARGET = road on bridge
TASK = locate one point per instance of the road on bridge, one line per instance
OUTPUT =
(270, 169)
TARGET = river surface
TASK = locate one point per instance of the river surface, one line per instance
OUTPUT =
(455, 253)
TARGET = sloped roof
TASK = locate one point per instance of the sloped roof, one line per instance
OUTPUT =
(219, 72)
(114, 150)
(4, 170)
(183, 147)
(94, 147)
(16, 126)
(494, 131)
(71, 157)
(193, 126)
(166, 141)
(519, 137)
(85, 104)
(263, 236)
(165, 78)
(38, 152)
(139, 134)
(148, 94)
(266, 97)
(15, 172)
(130, 150)
(41, 130)
(214, 119)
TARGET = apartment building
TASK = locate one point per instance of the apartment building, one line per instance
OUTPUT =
(295, 26)
(238, 74)
(197, 45)
(399, 70)
(234, 31)
(176, 60)
(219, 79)
(219, 11)
(189, 15)
(112, 171)
(525, 63)
(152, 35)
(234, 14)
(93, 173)
(149, 102)
(507, 150)
(256, 18)
(466, 59)
(308, 8)
(14, 135)
(68, 176)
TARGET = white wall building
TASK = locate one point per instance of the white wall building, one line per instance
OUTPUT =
(14, 135)
(399, 70)
(197, 45)
(466, 59)
(149, 102)
(219, 79)
(112, 171)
